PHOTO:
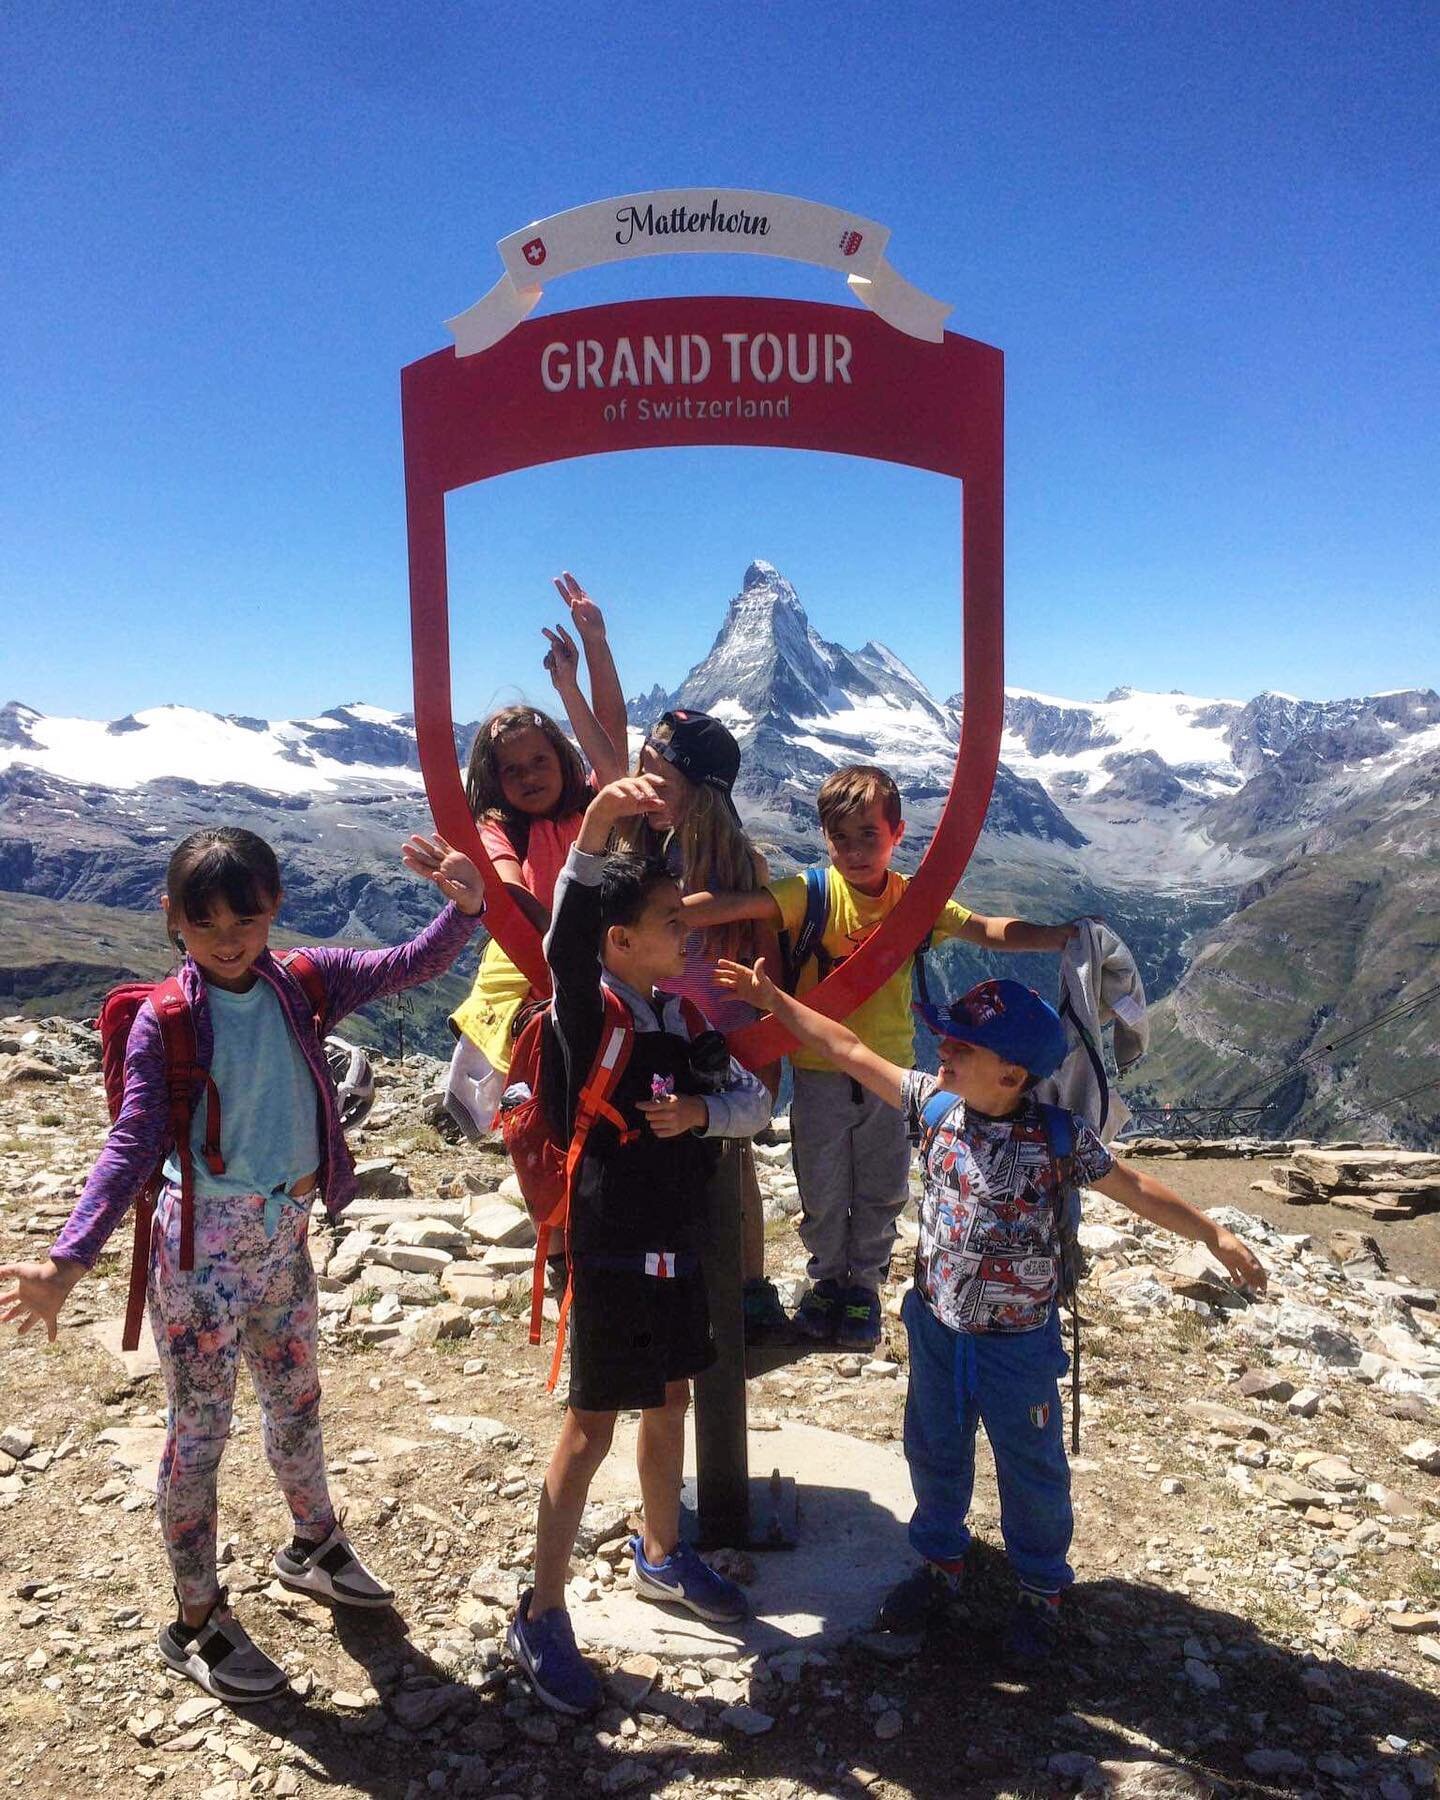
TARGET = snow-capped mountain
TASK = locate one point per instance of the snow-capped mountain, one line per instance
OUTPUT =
(1211, 832)
(800, 707)
(1171, 747)
(340, 749)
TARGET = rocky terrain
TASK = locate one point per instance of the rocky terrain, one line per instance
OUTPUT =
(1258, 1498)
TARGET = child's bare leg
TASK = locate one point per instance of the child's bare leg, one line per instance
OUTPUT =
(660, 1459)
(583, 1445)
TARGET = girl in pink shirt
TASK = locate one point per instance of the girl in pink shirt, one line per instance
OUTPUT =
(528, 790)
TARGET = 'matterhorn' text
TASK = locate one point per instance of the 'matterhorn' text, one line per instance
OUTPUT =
(644, 221)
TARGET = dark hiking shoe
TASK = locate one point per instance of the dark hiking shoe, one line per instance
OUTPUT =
(219, 1656)
(859, 1322)
(765, 1317)
(1032, 1633)
(818, 1315)
(924, 1597)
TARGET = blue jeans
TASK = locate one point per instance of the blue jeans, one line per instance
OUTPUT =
(1011, 1385)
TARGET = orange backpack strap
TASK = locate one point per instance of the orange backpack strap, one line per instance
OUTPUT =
(183, 1076)
(617, 1038)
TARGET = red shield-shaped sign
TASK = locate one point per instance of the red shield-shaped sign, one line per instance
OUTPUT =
(534, 252)
(788, 374)
(850, 242)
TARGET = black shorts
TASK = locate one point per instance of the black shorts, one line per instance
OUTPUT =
(632, 1333)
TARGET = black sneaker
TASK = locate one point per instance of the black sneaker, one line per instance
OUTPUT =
(858, 1327)
(924, 1597)
(1032, 1633)
(818, 1313)
(765, 1318)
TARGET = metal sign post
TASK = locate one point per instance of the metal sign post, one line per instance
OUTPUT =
(722, 1464)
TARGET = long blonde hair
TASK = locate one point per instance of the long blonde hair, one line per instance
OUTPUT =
(716, 856)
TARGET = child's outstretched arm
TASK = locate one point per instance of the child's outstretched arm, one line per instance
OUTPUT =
(562, 660)
(355, 977)
(828, 1036)
(606, 696)
(131, 1154)
(1016, 934)
(1152, 1200)
(704, 909)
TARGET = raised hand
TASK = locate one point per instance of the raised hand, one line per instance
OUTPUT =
(617, 800)
(629, 795)
(40, 1290)
(752, 985)
(452, 871)
(562, 659)
(586, 616)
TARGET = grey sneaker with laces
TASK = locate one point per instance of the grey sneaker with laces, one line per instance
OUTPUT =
(219, 1655)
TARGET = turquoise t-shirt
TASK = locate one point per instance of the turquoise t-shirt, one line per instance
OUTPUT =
(269, 1131)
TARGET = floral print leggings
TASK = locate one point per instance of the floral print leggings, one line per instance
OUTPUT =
(253, 1295)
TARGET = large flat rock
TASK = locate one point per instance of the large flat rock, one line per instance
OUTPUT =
(137, 1363)
(854, 1505)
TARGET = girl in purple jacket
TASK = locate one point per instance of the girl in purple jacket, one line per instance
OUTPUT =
(251, 1291)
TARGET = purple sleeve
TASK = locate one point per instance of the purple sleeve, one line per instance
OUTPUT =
(355, 977)
(137, 1141)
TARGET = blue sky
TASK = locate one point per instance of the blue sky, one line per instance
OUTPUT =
(1205, 238)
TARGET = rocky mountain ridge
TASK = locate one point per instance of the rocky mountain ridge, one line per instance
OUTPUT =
(1188, 822)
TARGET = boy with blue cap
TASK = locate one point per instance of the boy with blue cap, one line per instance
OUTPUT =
(981, 1319)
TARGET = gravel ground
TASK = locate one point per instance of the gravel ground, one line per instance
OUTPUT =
(1220, 1638)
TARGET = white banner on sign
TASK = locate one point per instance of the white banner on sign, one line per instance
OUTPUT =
(688, 221)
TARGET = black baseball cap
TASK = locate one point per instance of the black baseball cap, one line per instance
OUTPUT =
(701, 748)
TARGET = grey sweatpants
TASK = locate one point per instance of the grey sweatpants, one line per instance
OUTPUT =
(852, 1160)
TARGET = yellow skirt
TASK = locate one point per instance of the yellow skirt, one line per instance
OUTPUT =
(486, 1017)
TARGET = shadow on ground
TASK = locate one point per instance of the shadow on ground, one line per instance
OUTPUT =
(1170, 1695)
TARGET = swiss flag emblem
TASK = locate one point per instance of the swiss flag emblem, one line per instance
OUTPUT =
(534, 252)
(850, 242)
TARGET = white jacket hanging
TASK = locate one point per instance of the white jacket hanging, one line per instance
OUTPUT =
(1099, 986)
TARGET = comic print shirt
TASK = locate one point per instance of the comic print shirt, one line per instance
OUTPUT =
(989, 1255)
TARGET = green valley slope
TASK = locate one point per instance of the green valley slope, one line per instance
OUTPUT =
(1344, 928)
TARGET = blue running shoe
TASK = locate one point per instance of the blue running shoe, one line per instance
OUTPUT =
(545, 1650)
(1032, 1633)
(686, 1581)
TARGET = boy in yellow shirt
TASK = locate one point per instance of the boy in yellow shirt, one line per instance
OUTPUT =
(851, 1154)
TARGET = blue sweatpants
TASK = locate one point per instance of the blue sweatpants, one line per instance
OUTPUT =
(1010, 1384)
